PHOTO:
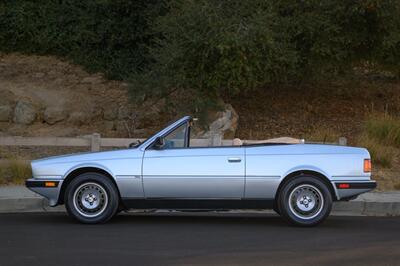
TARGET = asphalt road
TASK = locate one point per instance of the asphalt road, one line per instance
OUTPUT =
(55, 239)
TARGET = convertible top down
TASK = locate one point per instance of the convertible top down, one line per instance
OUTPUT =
(298, 181)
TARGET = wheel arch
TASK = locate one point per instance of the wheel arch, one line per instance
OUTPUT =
(81, 170)
(305, 172)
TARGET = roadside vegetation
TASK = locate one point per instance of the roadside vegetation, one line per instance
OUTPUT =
(381, 137)
(381, 154)
(210, 50)
(14, 171)
(384, 129)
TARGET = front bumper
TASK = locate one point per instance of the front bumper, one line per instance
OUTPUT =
(49, 189)
(346, 190)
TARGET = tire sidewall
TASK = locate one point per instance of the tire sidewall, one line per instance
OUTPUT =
(283, 201)
(109, 187)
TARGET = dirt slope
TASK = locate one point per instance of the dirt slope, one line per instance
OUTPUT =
(339, 108)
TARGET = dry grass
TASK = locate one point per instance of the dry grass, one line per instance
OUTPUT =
(381, 136)
(14, 171)
(381, 154)
(384, 128)
(323, 135)
(378, 132)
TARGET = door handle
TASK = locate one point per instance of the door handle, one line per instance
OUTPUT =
(234, 159)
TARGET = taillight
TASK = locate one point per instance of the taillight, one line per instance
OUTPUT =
(343, 185)
(367, 165)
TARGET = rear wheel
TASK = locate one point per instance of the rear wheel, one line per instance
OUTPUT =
(91, 198)
(305, 201)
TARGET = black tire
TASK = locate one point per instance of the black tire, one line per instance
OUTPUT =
(91, 198)
(305, 201)
(276, 209)
(121, 208)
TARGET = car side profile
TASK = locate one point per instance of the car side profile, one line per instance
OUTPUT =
(298, 181)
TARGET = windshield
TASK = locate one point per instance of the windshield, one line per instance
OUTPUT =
(135, 145)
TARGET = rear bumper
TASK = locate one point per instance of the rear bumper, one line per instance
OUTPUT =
(346, 190)
(41, 187)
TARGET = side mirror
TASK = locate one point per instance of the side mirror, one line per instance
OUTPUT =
(159, 143)
(135, 144)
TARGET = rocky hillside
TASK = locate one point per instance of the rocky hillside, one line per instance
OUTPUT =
(45, 96)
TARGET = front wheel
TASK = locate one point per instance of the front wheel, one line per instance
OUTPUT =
(305, 201)
(91, 198)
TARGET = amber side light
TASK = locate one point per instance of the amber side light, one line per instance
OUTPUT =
(367, 165)
(50, 184)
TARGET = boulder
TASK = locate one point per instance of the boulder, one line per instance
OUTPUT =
(24, 113)
(54, 114)
(224, 124)
(78, 118)
(5, 113)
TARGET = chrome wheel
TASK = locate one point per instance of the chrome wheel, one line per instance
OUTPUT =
(306, 201)
(90, 199)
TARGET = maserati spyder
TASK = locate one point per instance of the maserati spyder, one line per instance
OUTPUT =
(299, 181)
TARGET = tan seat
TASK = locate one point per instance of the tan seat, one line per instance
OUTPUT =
(237, 142)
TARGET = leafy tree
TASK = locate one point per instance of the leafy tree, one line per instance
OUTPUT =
(220, 48)
(102, 35)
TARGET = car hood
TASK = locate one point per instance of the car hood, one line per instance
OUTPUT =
(90, 156)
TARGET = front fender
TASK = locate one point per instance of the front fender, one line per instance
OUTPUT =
(89, 165)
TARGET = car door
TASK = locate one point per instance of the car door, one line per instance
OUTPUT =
(177, 171)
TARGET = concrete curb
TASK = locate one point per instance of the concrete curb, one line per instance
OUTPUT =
(36, 204)
(367, 208)
(354, 208)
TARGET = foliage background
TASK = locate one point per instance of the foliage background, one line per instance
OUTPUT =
(208, 49)
(103, 35)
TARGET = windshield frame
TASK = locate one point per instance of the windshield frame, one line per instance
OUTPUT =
(144, 145)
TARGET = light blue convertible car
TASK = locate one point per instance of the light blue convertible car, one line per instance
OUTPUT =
(298, 181)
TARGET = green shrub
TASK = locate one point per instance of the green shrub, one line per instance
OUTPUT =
(385, 129)
(217, 47)
(220, 48)
(102, 35)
